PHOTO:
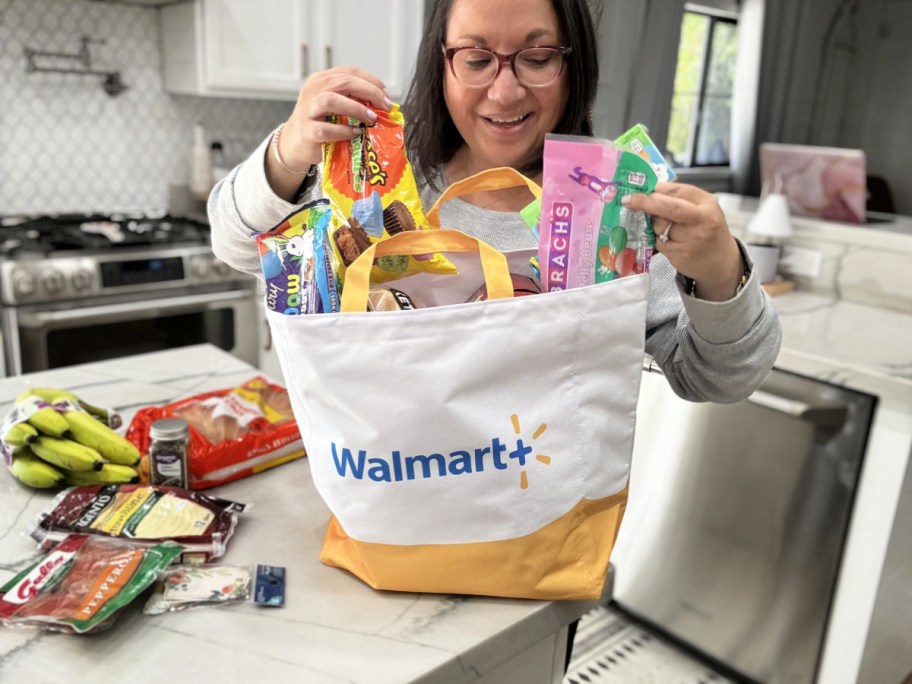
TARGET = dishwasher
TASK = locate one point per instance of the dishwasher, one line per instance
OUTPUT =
(737, 518)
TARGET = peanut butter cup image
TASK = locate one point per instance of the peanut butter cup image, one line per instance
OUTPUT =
(397, 218)
(351, 241)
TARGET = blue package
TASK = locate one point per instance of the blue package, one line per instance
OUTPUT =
(270, 585)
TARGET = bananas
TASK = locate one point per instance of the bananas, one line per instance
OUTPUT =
(88, 431)
(21, 434)
(110, 473)
(34, 472)
(52, 438)
(44, 418)
(67, 454)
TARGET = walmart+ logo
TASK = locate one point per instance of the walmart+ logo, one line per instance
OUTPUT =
(498, 454)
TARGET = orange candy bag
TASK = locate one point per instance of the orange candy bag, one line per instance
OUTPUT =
(372, 190)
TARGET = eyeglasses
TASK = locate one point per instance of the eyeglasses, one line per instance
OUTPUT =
(535, 67)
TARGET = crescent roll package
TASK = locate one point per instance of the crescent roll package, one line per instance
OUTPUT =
(235, 432)
(372, 190)
(586, 235)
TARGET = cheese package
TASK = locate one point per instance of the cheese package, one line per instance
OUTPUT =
(144, 514)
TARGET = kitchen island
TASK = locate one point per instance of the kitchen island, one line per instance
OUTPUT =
(333, 628)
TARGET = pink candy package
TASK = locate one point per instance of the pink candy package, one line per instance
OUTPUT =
(586, 236)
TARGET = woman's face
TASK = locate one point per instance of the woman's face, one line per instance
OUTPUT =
(505, 123)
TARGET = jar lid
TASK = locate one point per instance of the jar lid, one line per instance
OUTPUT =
(169, 428)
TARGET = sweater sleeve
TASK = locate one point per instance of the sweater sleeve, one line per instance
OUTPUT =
(710, 351)
(243, 204)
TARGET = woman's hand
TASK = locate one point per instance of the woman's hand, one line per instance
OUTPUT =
(343, 91)
(692, 233)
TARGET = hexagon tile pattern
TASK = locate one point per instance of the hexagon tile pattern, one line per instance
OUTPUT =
(67, 146)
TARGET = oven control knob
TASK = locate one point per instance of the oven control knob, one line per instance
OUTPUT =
(81, 280)
(54, 281)
(199, 268)
(23, 283)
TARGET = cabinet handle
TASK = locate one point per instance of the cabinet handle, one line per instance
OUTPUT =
(305, 61)
(329, 56)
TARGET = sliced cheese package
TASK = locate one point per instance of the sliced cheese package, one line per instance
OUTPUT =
(143, 514)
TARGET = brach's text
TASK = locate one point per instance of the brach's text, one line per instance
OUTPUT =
(586, 236)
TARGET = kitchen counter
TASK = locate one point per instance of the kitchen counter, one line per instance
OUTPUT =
(850, 325)
(333, 629)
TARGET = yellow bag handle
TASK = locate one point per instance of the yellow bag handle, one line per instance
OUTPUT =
(490, 179)
(493, 263)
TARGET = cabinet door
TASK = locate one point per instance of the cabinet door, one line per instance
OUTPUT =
(263, 46)
(381, 37)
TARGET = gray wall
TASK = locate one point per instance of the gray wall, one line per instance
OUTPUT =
(66, 146)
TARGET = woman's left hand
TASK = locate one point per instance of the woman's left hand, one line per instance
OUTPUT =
(691, 231)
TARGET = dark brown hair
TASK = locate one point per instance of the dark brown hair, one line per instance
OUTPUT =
(431, 137)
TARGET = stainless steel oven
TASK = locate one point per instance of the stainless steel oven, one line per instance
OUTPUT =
(76, 305)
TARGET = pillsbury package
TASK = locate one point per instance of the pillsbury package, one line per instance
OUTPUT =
(586, 236)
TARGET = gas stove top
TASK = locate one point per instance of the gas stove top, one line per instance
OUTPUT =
(46, 236)
(46, 259)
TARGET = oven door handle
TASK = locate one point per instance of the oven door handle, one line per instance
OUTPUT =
(31, 319)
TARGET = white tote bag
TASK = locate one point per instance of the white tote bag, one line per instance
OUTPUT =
(476, 448)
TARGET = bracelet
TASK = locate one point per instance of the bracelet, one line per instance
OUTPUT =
(278, 157)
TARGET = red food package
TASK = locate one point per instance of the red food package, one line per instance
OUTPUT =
(82, 584)
(144, 515)
(234, 432)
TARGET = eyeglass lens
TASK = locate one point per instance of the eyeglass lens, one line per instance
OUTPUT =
(475, 67)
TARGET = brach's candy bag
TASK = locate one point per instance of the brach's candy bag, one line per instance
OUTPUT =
(235, 432)
(82, 584)
(586, 235)
(143, 514)
(370, 184)
(299, 264)
(637, 140)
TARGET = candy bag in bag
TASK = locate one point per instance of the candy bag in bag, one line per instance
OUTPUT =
(370, 184)
(586, 235)
(299, 264)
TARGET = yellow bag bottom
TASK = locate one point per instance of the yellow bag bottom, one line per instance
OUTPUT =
(566, 559)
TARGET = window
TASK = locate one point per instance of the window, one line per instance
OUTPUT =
(699, 129)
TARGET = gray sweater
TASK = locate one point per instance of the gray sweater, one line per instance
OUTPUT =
(709, 351)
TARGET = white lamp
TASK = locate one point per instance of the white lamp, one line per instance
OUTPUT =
(765, 233)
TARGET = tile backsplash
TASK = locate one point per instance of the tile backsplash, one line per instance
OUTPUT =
(67, 146)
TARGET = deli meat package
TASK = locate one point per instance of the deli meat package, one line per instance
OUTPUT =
(234, 432)
(81, 585)
(143, 515)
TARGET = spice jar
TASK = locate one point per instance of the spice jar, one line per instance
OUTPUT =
(170, 439)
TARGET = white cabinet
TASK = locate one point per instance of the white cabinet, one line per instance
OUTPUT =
(265, 49)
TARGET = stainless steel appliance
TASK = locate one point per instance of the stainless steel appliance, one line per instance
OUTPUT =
(737, 517)
(84, 288)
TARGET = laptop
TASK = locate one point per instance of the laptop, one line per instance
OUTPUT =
(821, 182)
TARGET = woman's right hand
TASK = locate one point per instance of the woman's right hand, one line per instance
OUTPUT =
(342, 91)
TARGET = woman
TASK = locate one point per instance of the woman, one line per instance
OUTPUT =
(494, 79)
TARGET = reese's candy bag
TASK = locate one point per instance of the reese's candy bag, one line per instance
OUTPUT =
(372, 190)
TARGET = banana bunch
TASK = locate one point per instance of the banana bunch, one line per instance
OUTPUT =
(52, 438)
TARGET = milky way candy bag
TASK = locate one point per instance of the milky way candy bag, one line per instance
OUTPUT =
(369, 182)
(586, 235)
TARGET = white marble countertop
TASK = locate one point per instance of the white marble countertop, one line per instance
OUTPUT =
(333, 629)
